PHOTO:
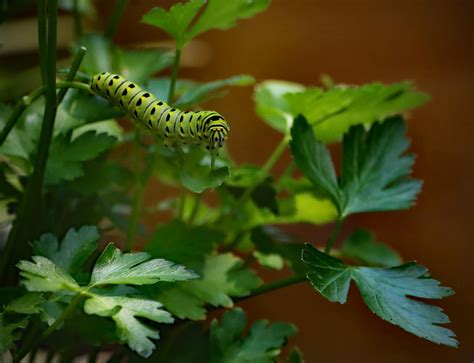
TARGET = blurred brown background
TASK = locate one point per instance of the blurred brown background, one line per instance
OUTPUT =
(360, 41)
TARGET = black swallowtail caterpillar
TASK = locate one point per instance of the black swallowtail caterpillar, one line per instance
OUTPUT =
(173, 126)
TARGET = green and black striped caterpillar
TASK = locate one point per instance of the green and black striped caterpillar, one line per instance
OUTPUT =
(171, 125)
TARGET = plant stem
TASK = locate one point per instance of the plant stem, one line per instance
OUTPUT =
(118, 11)
(77, 19)
(76, 63)
(51, 329)
(195, 210)
(174, 75)
(333, 236)
(138, 197)
(269, 286)
(30, 208)
(181, 204)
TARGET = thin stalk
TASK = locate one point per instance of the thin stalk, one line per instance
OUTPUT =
(76, 63)
(28, 346)
(23, 229)
(174, 75)
(42, 37)
(333, 236)
(268, 287)
(181, 204)
(271, 161)
(195, 210)
(138, 197)
(117, 13)
(77, 19)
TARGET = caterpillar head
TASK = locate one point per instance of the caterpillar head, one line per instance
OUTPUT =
(218, 131)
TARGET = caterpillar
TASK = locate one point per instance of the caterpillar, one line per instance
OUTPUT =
(171, 125)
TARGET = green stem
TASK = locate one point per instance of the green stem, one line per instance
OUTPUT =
(30, 208)
(333, 236)
(181, 204)
(76, 63)
(268, 287)
(77, 19)
(138, 197)
(28, 346)
(174, 75)
(194, 211)
(117, 13)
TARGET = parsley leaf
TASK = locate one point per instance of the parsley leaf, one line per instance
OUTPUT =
(76, 247)
(8, 332)
(184, 244)
(222, 277)
(386, 291)
(331, 113)
(44, 275)
(222, 14)
(124, 311)
(374, 173)
(176, 21)
(67, 155)
(262, 344)
(28, 304)
(115, 267)
(362, 246)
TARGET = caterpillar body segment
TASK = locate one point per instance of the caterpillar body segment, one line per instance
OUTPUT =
(175, 127)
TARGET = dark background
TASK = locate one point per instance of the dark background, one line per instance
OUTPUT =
(360, 41)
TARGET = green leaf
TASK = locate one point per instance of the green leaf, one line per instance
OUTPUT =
(9, 333)
(261, 345)
(272, 106)
(374, 169)
(176, 21)
(44, 275)
(223, 277)
(27, 304)
(67, 155)
(200, 93)
(331, 113)
(124, 311)
(295, 356)
(362, 246)
(139, 64)
(328, 275)
(223, 14)
(184, 244)
(387, 292)
(91, 108)
(314, 159)
(196, 174)
(76, 247)
(114, 267)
